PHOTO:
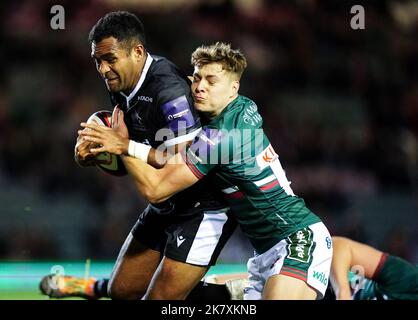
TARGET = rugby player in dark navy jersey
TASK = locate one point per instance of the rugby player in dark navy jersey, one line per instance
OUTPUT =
(173, 243)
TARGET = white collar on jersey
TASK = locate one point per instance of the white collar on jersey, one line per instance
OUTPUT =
(140, 81)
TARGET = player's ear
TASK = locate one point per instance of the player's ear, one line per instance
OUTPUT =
(235, 87)
(139, 51)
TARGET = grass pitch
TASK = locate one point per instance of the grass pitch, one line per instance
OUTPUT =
(20, 280)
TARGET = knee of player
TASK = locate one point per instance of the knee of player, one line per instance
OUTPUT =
(170, 285)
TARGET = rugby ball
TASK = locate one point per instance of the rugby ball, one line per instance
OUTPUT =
(113, 164)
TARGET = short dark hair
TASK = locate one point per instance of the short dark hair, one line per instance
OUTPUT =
(122, 25)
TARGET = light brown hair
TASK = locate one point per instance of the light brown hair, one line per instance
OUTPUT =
(232, 60)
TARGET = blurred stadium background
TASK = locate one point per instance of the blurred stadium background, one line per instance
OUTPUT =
(340, 106)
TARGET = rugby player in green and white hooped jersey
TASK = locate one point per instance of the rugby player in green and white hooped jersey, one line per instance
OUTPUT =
(293, 247)
(234, 148)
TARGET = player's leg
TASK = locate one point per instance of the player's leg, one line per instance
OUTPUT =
(130, 277)
(140, 256)
(64, 286)
(58, 286)
(304, 272)
(279, 287)
(297, 267)
(174, 280)
(194, 243)
(127, 282)
(133, 270)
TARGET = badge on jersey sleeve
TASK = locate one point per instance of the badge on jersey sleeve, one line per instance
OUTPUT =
(266, 157)
(269, 158)
(178, 114)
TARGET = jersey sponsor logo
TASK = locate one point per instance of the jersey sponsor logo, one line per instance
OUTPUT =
(145, 98)
(139, 119)
(180, 240)
(321, 277)
(251, 116)
(300, 245)
(329, 242)
(267, 156)
(138, 123)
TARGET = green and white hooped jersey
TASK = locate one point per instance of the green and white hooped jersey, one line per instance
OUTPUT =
(233, 150)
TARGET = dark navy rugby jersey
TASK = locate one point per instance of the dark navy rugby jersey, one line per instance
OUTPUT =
(160, 108)
(162, 99)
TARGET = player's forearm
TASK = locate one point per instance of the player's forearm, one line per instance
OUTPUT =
(148, 180)
(344, 294)
(340, 267)
(339, 280)
(153, 157)
(341, 288)
(156, 158)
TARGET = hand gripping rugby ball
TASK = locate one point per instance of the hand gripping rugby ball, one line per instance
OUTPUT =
(113, 164)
